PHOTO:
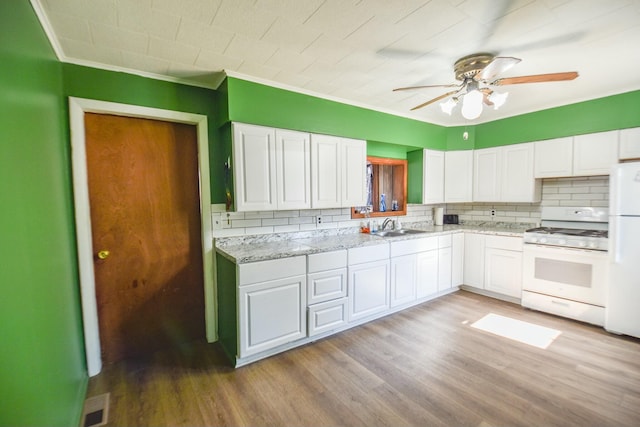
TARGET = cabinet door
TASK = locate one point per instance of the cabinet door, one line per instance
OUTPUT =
(457, 259)
(271, 314)
(368, 289)
(433, 177)
(503, 272)
(595, 153)
(403, 280)
(427, 276)
(458, 176)
(327, 316)
(487, 175)
(326, 185)
(354, 165)
(254, 167)
(474, 260)
(629, 144)
(326, 285)
(554, 158)
(293, 170)
(444, 268)
(518, 181)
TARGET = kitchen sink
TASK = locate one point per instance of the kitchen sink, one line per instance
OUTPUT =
(396, 233)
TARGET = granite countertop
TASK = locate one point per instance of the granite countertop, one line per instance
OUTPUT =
(245, 249)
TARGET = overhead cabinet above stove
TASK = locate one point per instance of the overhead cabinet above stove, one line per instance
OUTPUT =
(580, 155)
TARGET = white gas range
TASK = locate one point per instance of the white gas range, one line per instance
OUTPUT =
(565, 263)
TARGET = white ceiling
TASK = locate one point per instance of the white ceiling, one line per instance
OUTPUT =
(357, 51)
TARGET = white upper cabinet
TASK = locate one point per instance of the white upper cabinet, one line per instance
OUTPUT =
(278, 169)
(505, 174)
(581, 155)
(518, 180)
(326, 178)
(354, 170)
(595, 153)
(433, 177)
(458, 176)
(293, 170)
(254, 153)
(487, 175)
(554, 158)
(629, 144)
(338, 172)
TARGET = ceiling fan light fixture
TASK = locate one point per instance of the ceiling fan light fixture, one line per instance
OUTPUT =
(472, 104)
(449, 105)
(498, 99)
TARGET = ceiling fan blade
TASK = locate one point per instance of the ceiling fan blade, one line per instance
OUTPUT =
(537, 78)
(497, 66)
(423, 87)
(436, 99)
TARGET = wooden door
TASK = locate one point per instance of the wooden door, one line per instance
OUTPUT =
(145, 211)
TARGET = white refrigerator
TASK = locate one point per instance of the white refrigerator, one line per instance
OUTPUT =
(622, 314)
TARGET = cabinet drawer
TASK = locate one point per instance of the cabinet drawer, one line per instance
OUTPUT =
(504, 242)
(368, 253)
(326, 285)
(444, 241)
(327, 261)
(407, 247)
(263, 271)
(327, 316)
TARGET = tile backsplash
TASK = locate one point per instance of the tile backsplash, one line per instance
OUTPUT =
(582, 191)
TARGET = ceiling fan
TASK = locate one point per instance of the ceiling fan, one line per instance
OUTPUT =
(476, 73)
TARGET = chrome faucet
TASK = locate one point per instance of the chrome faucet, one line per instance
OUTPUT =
(384, 224)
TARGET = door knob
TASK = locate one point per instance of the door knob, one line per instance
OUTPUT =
(103, 254)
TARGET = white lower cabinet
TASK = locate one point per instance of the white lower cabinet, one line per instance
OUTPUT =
(272, 312)
(444, 262)
(457, 259)
(369, 273)
(327, 316)
(403, 279)
(503, 265)
(474, 260)
(427, 277)
(326, 291)
(493, 263)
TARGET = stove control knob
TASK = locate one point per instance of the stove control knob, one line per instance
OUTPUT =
(533, 239)
(562, 241)
(592, 244)
(583, 244)
(543, 240)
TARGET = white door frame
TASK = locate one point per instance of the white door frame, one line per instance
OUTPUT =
(77, 108)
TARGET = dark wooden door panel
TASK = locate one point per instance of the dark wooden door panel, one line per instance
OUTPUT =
(144, 198)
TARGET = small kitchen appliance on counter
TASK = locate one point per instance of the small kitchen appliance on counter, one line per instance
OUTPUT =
(623, 311)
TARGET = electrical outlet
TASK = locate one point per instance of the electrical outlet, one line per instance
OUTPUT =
(318, 219)
(493, 212)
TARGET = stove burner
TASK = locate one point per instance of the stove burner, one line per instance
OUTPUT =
(569, 231)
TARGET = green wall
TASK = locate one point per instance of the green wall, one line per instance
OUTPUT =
(43, 375)
(598, 115)
(264, 105)
(103, 85)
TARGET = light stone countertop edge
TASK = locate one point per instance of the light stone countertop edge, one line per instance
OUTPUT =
(247, 252)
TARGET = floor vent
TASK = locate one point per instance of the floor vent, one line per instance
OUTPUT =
(96, 411)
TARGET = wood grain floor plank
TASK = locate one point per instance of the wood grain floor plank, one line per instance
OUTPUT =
(423, 366)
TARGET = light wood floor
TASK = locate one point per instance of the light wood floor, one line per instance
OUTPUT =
(425, 366)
